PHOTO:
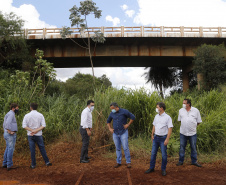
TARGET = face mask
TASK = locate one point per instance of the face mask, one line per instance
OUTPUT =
(157, 110)
(91, 108)
(184, 106)
(16, 110)
(113, 110)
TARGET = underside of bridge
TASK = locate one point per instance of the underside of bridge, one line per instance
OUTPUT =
(125, 52)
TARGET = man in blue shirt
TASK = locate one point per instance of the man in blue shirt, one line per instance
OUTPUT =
(10, 129)
(120, 131)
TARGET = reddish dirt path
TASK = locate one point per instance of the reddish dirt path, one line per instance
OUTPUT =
(66, 170)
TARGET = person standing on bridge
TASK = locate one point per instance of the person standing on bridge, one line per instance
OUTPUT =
(161, 132)
(34, 123)
(85, 130)
(120, 131)
(10, 129)
(189, 117)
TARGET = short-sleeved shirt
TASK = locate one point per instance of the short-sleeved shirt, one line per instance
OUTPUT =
(189, 120)
(119, 120)
(86, 118)
(10, 122)
(162, 123)
(34, 120)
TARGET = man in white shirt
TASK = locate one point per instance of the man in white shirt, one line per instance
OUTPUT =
(161, 132)
(189, 117)
(85, 130)
(34, 123)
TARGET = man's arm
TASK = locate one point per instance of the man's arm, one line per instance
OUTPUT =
(8, 123)
(168, 136)
(128, 124)
(153, 132)
(110, 129)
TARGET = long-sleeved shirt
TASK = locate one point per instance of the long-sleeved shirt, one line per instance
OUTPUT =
(10, 122)
(86, 118)
(34, 120)
(189, 120)
(119, 120)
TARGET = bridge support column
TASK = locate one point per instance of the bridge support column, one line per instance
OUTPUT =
(185, 80)
(200, 81)
(185, 77)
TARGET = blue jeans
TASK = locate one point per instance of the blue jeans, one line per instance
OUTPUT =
(183, 143)
(122, 140)
(158, 142)
(39, 140)
(10, 146)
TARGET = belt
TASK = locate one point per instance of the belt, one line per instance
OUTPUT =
(160, 136)
(84, 128)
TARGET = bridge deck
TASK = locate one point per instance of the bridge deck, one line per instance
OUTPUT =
(141, 31)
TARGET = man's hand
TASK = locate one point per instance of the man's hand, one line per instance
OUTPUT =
(126, 126)
(88, 132)
(152, 137)
(111, 130)
(166, 142)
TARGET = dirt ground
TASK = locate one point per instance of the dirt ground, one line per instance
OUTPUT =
(67, 170)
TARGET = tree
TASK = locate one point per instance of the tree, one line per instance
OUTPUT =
(78, 18)
(162, 77)
(209, 61)
(14, 51)
(81, 85)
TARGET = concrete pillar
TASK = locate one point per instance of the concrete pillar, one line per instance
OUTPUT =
(185, 79)
(200, 81)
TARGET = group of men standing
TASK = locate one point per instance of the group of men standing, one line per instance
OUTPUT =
(162, 128)
(34, 123)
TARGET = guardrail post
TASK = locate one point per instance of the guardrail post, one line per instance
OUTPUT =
(44, 34)
(102, 29)
(161, 31)
(122, 31)
(219, 32)
(142, 31)
(201, 31)
(182, 31)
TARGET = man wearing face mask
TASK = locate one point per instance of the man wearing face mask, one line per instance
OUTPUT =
(161, 132)
(120, 131)
(10, 129)
(189, 117)
(85, 130)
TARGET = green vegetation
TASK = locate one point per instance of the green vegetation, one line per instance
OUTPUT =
(210, 62)
(14, 51)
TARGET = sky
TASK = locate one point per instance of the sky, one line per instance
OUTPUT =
(55, 13)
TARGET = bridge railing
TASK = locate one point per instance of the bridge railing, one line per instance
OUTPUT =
(139, 31)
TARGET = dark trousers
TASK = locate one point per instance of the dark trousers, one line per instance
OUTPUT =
(39, 140)
(183, 143)
(85, 143)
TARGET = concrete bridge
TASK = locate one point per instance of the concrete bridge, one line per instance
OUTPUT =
(127, 46)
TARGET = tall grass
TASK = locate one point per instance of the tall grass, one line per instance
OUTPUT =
(62, 115)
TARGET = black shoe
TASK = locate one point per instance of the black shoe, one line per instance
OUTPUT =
(163, 172)
(117, 165)
(150, 170)
(84, 161)
(11, 168)
(48, 164)
(4, 166)
(32, 167)
(179, 163)
(196, 164)
(87, 158)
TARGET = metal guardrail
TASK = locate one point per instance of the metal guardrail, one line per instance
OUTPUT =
(141, 31)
